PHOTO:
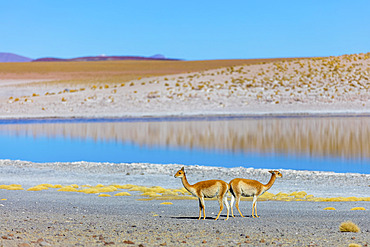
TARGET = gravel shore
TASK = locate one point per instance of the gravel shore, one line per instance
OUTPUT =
(54, 218)
(65, 219)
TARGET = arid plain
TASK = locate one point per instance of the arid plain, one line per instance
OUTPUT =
(45, 216)
(331, 85)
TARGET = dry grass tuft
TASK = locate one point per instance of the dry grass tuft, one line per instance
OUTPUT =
(68, 189)
(354, 245)
(358, 208)
(38, 188)
(329, 208)
(123, 194)
(104, 195)
(348, 227)
(11, 187)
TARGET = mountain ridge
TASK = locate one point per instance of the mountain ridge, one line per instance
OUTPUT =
(103, 58)
(6, 57)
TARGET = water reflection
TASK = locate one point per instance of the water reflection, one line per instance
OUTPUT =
(325, 144)
(346, 137)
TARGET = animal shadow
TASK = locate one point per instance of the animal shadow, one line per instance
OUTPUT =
(196, 218)
(191, 218)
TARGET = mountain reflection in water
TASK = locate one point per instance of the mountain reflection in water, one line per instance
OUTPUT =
(318, 137)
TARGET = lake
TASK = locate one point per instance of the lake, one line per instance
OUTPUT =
(339, 144)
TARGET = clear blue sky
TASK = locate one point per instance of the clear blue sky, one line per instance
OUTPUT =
(190, 30)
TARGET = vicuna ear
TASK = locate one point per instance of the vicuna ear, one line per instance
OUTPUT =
(271, 172)
(183, 169)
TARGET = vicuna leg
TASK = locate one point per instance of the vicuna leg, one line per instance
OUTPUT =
(200, 208)
(254, 207)
(201, 203)
(227, 207)
(237, 204)
(221, 207)
(232, 205)
(220, 201)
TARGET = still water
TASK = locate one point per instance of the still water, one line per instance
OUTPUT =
(340, 144)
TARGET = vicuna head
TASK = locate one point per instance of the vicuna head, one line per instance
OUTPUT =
(277, 173)
(180, 173)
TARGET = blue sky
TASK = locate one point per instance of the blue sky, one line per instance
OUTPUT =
(190, 30)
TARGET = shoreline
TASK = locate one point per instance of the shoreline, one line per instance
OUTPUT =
(178, 117)
(317, 183)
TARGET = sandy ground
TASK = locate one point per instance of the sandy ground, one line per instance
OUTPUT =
(53, 218)
(335, 85)
(47, 219)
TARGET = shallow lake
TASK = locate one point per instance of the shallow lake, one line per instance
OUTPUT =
(340, 144)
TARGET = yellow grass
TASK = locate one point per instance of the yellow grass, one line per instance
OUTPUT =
(38, 188)
(11, 187)
(125, 186)
(89, 191)
(354, 245)
(358, 208)
(166, 203)
(329, 208)
(151, 194)
(107, 189)
(15, 188)
(349, 227)
(160, 193)
(68, 189)
(47, 185)
(122, 194)
(104, 195)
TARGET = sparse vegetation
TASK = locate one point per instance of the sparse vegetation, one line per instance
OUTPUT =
(348, 227)
(329, 208)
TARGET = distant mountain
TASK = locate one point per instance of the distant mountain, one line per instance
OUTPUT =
(158, 56)
(10, 57)
(6, 57)
(103, 58)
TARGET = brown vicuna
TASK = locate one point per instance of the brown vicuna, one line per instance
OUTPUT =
(206, 189)
(247, 187)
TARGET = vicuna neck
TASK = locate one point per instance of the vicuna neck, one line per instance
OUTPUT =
(271, 182)
(186, 183)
